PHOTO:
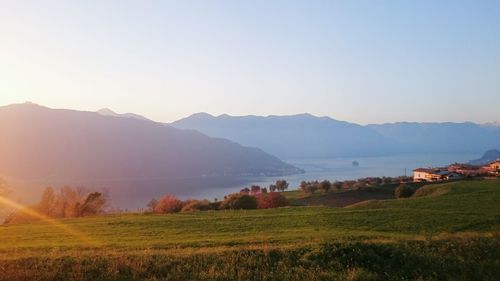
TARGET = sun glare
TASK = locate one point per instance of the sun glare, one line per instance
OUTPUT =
(89, 241)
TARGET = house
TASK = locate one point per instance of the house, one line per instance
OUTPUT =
(466, 170)
(430, 174)
(493, 167)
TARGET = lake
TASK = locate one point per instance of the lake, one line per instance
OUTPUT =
(135, 194)
(343, 169)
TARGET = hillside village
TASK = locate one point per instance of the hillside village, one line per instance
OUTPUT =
(456, 171)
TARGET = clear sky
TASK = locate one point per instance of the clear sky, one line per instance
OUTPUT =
(362, 61)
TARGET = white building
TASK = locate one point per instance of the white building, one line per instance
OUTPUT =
(423, 174)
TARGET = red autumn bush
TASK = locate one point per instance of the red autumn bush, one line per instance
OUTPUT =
(168, 204)
(271, 200)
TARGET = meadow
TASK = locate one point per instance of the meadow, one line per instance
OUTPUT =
(446, 232)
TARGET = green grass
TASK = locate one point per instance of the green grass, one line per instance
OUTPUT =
(444, 235)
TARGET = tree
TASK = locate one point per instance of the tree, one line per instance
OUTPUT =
(281, 185)
(67, 203)
(93, 204)
(4, 199)
(255, 189)
(4, 192)
(348, 184)
(239, 201)
(312, 187)
(47, 202)
(272, 187)
(386, 180)
(337, 185)
(152, 205)
(245, 190)
(403, 191)
(168, 204)
(325, 185)
(303, 186)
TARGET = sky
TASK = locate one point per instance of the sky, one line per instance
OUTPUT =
(367, 62)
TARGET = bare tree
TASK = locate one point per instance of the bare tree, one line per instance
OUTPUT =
(152, 205)
(47, 202)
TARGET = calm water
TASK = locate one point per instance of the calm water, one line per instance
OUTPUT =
(135, 194)
(343, 169)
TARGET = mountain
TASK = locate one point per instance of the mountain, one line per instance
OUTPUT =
(109, 112)
(492, 124)
(441, 137)
(489, 156)
(41, 146)
(308, 136)
(295, 136)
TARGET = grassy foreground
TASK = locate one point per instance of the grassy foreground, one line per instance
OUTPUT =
(451, 232)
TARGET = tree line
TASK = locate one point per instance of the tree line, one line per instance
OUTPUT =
(254, 197)
(361, 183)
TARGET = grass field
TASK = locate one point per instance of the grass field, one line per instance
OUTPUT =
(451, 233)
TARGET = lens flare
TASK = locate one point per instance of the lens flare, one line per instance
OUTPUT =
(64, 227)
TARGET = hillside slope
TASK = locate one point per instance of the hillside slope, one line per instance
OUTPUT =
(446, 237)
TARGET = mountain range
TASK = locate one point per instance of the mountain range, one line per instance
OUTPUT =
(46, 146)
(137, 159)
(308, 136)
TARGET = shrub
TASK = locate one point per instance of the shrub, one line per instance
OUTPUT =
(215, 205)
(239, 201)
(271, 200)
(403, 191)
(196, 205)
(168, 204)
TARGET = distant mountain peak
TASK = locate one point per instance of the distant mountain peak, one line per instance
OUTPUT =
(492, 124)
(108, 112)
(26, 104)
(488, 156)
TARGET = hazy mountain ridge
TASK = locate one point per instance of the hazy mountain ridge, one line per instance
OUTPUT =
(109, 112)
(446, 137)
(488, 156)
(308, 136)
(67, 146)
(294, 136)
